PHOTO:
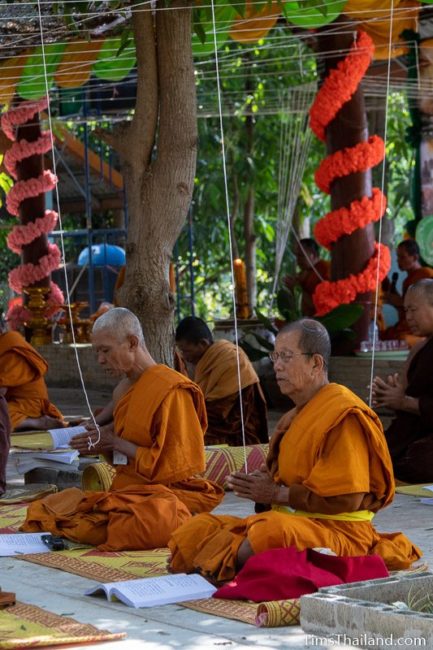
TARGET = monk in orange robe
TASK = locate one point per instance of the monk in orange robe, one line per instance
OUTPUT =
(408, 259)
(22, 371)
(216, 372)
(327, 473)
(155, 443)
(313, 271)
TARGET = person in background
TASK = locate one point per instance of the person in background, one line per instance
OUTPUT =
(5, 431)
(408, 259)
(312, 271)
(22, 371)
(410, 434)
(215, 368)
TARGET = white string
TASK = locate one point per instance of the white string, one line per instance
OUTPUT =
(91, 443)
(382, 187)
(226, 191)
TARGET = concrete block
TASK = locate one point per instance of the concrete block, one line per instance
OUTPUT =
(361, 614)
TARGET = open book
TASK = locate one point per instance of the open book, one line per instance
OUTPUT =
(22, 543)
(51, 439)
(150, 592)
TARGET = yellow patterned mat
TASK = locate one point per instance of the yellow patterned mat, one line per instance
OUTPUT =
(12, 516)
(105, 567)
(276, 613)
(28, 626)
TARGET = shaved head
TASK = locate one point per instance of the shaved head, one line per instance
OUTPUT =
(422, 288)
(119, 323)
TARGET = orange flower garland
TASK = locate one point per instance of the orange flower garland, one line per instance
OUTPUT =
(336, 90)
(349, 161)
(329, 295)
(359, 213)
(341, 84)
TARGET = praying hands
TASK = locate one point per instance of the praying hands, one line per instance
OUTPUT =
(389, 392)
(257, 486)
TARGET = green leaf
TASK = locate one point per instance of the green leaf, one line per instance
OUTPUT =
(126, 39)
(266, 322)
(198, 27)
(341, 317)
(254, 354)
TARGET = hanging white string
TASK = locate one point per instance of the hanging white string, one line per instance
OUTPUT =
(91, 443)
(295, 142)
(382, 187)
(227, 201)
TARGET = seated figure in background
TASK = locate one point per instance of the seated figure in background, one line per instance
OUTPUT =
(408, 259)
(22, 371)
(313, 271)
(410, 435)
(5, 430)
(156, 444)
(216, 372)
(327, 473)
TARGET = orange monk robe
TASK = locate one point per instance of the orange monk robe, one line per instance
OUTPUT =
(163, 413)
(22, 371)
(401, 329)
(217, 375)
(335, 461)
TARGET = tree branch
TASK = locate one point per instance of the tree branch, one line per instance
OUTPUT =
(135, 140)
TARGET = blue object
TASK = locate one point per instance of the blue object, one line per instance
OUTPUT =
(103, 255)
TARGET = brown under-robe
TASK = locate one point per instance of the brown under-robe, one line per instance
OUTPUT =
(410, 436)
(5, 430)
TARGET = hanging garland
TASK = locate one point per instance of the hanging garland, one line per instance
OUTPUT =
(335, 91)
(23, 235)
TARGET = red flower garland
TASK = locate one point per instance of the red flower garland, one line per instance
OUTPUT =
(349, 161)
(341, 84)
(346, 220)
(329, 295)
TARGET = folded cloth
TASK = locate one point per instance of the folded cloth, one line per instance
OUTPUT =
(282, 573)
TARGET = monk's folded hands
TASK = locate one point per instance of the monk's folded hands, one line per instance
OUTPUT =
(389, 393)
(257, 486)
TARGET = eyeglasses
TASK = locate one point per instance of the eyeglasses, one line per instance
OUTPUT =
(287, 356)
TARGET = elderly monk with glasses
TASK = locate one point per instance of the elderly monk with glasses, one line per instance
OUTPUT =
(328, 472)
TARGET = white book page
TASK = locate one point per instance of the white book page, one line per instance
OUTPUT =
(148, 592)
(22, 543)
(62, 437)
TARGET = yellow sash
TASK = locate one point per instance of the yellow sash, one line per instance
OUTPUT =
(359, 515)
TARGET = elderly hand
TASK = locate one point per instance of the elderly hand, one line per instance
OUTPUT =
(106, 443)
(389, 393)
(257, 486)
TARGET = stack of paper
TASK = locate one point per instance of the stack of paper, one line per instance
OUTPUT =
(50, 449)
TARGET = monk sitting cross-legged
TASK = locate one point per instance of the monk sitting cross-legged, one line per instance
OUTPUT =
(22, 371)
(216, 372)
(155, 443)
(327, 473)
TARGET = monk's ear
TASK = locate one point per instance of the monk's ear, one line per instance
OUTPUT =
(133, 341)
(318, 362)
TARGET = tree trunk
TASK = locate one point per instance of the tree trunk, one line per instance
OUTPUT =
(350, 253)
(158, 151)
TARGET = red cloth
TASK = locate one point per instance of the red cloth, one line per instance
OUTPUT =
(282, 573)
